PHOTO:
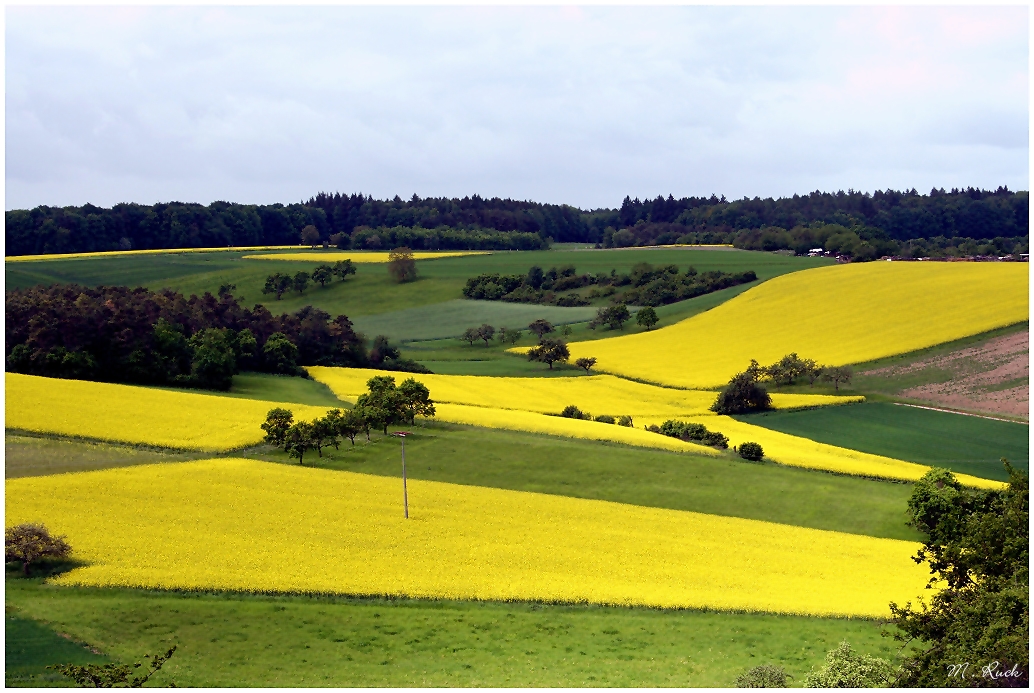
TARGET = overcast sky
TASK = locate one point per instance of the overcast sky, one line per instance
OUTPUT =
(577, 105)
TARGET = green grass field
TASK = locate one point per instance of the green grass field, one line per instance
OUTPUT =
(241, 640)
(30, 647)
(965, 444)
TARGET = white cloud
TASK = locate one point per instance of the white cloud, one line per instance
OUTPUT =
(579, 105)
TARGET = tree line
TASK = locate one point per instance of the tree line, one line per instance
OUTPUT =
(384, 404)
(966, 219)
(746, 393)
(646, 285)
(123, 335)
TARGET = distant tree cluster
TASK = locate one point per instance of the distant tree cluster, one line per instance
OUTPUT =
(279, 283)
(384, 404)
(860, 225)
(117, 334)
(745, 392)
(648, 286)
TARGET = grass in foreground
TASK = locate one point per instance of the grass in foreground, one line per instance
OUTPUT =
(236, 640)
(964, 444)
(30, 647)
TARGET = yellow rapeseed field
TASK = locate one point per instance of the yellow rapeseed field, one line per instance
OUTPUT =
(131, 253)
(837, 315)
(235, 524)
(360, 256)
(596, 394)
(138, 415)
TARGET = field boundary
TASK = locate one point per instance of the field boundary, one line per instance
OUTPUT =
(962, 413)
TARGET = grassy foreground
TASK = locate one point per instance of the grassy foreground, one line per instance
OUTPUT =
(240, 640)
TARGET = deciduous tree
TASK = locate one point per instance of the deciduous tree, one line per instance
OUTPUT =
(322, 275)
(646, 317)
(29, 542)
(586, 362)
(310, 236)
(401, 265)
(550, 351)
(278, 421)
(540, 328)
(277, 283)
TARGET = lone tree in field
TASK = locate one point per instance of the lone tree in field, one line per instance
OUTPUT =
(742, 395)
(401, 265)
(486, 332)
(837, 375)
(342, 268)
(646, 317)
(29, 543)
(277, 283)
(471, 334)
(586, 362)
(322, 275)
(550, 351)
(540, 328)
(310, 236)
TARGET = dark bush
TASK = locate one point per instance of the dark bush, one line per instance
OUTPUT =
(573, 412)
(751, 451)
(742, 395)
(697, 433)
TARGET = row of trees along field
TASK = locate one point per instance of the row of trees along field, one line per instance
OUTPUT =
(645, 285)
(384, 404)
(860, 225)
(118, 334)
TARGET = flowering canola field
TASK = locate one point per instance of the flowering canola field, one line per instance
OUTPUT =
(361, 257)
(131, 253)
(598, 394)
(235, 524)
(836, 315)
(521, 404)
(138, 415)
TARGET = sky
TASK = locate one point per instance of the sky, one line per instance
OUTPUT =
(577, 105)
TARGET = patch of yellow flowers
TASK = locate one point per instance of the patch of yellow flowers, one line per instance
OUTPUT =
(361, 256)
(132, 253)
(235, 524)
(836, 315)
(138, 415)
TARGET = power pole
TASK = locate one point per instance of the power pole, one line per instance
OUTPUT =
(405, 493)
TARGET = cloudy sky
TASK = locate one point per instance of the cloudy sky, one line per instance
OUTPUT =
(581, 105)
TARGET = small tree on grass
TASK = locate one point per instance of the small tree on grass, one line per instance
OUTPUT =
(277, 283)
(30, 542)
(742, 395)
(508, 335)
(764, 676)
(751, 451)
(324, 431)
(299, 439)
(114, 675)
(646, 317)
(614, 317)
(486, 332)
(350, 425)
(416, 400)
(322, 275)
(401, 265)
(837, 375)
(550, 351)
(471, 335)
(342, 268)
(278, 422)
(300, 282)
(541, 328)
(586, 362)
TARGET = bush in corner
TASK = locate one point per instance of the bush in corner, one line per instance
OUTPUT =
(751, 451)
(764, 676)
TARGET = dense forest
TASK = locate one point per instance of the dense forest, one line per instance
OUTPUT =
(858, 225)
(118, 334)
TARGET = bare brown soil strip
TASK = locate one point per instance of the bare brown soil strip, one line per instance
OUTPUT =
(993, 377)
